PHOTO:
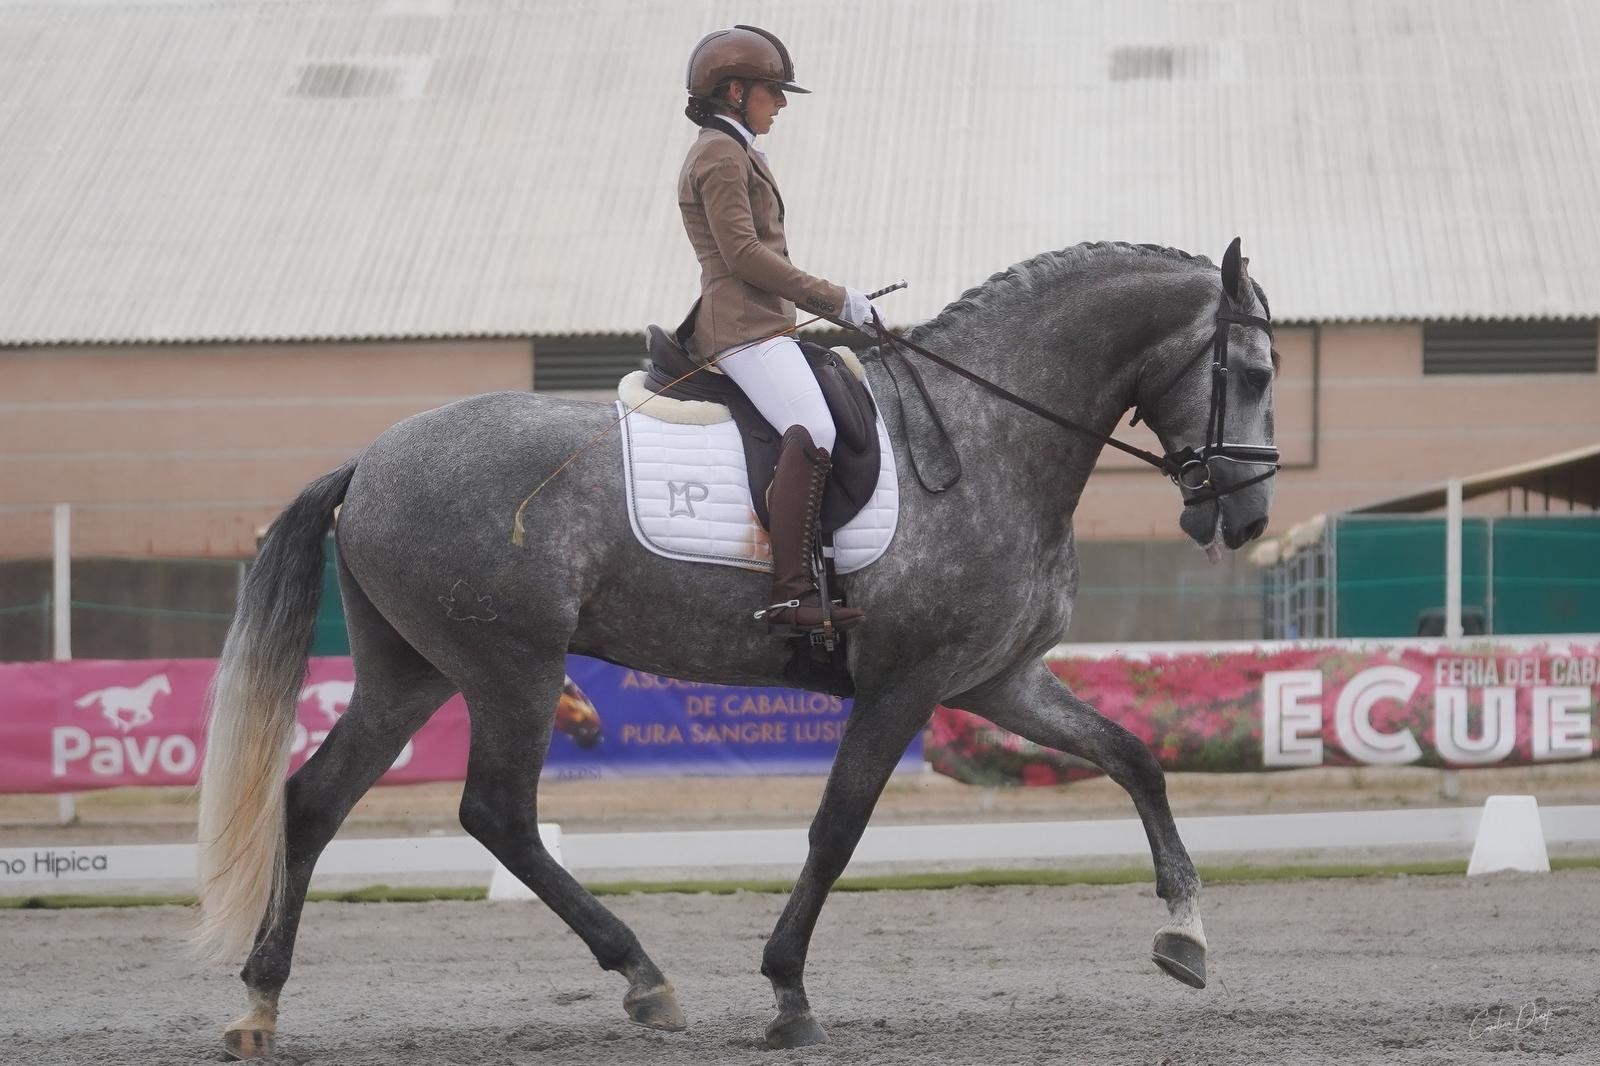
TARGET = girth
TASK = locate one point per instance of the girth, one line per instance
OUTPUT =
(856, 455)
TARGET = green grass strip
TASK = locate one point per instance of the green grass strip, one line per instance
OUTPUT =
(1211, 875)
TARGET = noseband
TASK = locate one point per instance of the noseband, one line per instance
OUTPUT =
(1189, 468)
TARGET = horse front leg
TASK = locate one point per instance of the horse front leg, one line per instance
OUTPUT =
(1036, 705)
(874, 739)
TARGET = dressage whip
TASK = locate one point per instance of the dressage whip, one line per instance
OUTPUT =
(517, 530)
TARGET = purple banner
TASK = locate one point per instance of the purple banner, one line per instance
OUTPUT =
(644, 724)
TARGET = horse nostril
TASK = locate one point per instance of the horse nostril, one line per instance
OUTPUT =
(1255, 529)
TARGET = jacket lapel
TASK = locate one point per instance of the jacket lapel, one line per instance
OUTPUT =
(756, 161)
(766, 175)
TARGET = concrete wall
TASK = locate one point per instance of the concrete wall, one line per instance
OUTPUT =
(1163, 590)
(122, 608)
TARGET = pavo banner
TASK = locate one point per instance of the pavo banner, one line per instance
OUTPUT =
(1242, 708)
(90, 724)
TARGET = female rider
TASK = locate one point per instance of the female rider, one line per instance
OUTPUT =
(744, 321)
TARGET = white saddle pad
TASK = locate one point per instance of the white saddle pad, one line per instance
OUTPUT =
(689, 495)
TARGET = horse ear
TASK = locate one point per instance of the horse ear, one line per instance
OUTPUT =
(1233, 271)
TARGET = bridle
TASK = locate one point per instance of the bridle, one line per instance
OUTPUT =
(1189, 468)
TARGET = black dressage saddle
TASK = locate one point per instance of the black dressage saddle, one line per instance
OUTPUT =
(856, 458)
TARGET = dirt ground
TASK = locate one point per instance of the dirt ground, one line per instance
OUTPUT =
(130, 816)
(1420, 971)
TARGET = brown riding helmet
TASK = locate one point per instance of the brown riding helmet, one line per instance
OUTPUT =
(742, 52)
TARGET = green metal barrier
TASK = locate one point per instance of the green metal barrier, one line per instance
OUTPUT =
(1526, 573)
(329, 637)
(1547, 574)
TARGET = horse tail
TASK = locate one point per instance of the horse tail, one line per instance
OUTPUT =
(84, 701)
(250, 725)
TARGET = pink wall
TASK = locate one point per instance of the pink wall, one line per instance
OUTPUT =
(188, 450)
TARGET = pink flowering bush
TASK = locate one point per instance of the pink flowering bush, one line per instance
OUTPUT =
(1203, 711)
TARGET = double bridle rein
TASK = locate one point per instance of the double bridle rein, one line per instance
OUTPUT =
(1189, 468)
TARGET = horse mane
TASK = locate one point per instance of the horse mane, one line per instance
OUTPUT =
(1046, 266)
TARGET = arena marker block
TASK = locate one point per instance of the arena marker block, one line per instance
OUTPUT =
(1510, 837)
(503, 884)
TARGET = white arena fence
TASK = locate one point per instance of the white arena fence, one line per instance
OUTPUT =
(60, 868)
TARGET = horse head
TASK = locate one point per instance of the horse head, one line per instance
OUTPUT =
(159, 683)
(1213, 413)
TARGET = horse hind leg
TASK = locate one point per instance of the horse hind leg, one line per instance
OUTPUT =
(1036, 705)
(511, 727)
(396, 691)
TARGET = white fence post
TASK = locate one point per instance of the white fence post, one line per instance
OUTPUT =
(1451, 785)
(61, 609)
(61, 598)
(1452, 559)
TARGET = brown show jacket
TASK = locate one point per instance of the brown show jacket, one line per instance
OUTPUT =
(734, 217)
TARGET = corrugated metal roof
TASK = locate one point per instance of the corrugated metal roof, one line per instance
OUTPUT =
(1572, 476)
(178, 170)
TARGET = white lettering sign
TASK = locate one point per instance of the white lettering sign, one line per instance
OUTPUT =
(1291, 724)
(1499, 725)
(117, 756)
(1293, 715)
(1353, 717)
(1561, 723)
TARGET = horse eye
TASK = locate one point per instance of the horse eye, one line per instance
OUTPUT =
(1258, 378)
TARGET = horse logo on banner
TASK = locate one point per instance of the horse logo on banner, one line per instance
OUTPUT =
(128, 708)
(332, 697)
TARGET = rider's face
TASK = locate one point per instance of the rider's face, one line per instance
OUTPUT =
(763, 103)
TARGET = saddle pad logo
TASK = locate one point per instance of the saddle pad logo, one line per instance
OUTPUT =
(684, 495)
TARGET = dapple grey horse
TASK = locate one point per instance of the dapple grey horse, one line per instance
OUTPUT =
(977, 584)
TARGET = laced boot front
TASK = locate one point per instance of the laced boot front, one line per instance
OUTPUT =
(794, 508)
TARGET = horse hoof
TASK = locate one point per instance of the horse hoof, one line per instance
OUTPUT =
(1180, 958)
(800, 1030)
(655, 1008)
(249, 1043)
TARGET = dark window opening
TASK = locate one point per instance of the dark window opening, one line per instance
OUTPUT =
(1509, 348)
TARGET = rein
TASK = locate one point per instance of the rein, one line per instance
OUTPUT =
(1189, 468)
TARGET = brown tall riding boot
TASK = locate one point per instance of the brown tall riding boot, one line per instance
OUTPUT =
(794, 507)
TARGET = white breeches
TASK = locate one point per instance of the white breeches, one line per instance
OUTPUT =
(775, 376)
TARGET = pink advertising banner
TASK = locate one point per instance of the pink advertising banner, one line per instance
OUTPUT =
(91, 724)
(1280, 706)
(77, 726)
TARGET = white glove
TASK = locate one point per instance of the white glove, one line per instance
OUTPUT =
(857, 311)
